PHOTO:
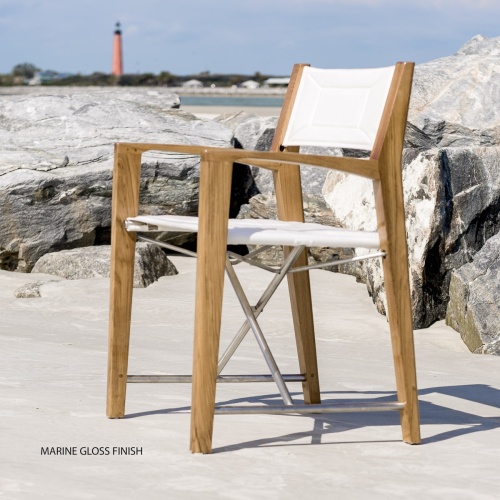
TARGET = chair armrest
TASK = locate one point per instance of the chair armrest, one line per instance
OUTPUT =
(139, 148)
(272, 160)
(266, 159)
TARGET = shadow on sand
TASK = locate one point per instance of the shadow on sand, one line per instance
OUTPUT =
(431, 413)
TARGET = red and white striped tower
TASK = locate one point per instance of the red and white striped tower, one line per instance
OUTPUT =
(117, 69)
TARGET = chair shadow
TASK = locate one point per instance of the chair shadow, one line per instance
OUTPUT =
(328, 423)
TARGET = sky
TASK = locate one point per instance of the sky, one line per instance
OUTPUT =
(186, 37)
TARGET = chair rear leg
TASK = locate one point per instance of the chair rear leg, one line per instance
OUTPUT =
(300, 301)
(290, 208)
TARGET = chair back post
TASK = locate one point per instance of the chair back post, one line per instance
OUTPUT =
(286, 177)
(288, 189)
(286, 109)
(388, 150)
(395, 111)
(391, 218)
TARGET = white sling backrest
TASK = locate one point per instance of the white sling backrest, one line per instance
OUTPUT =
(338, 107)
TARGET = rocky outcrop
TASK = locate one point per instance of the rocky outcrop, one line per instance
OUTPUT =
(474, 306)
(151, 263)
(255, 133)
(453, 102)
(250, 131)
(452, 201)
(451, 176)
(56, 166)
(157, 98)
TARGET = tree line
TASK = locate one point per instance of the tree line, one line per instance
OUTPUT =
(24, 73)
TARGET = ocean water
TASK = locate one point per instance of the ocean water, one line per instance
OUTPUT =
(276, 102)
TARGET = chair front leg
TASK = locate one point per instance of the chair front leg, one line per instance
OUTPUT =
(125, 204)
(215, 190)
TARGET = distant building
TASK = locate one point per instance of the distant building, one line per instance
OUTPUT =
(250, 84)
(192, 84)
(47, 76)
(277, 82)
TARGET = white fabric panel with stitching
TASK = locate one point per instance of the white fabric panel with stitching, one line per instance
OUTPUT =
(263, 231)
(338, 107)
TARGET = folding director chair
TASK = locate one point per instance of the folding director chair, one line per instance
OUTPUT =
(363, 109)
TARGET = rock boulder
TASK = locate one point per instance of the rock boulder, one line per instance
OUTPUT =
(474, 306)
(151, 263)
(453, 98)
(56, 165)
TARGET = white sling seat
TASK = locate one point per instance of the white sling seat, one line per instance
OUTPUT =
(263, 231)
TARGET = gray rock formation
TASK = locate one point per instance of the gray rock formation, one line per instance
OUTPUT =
(159, 98)
(453, 98)
(451, 176)
(250, 131)
(151, 263)
(255, 133)
(56, 165)
(452, 200)
(474, 306)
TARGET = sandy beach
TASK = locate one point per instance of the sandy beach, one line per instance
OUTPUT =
(53, 395)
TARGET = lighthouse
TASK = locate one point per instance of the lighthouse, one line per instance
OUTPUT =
(117, 69)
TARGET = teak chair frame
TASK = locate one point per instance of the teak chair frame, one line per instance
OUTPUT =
(383, 167)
